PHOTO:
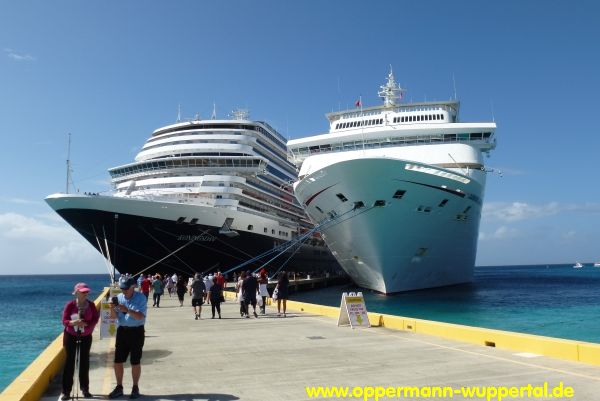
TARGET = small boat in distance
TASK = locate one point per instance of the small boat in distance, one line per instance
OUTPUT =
(577, 265)
(597, 264)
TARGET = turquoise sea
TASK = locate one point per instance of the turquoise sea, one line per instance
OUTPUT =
(548, 300)
(553, 300)
(30, 316)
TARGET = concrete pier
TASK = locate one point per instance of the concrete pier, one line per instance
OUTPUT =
(276, 358)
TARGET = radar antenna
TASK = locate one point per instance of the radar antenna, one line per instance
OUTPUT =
(240, 114)
(391, 91)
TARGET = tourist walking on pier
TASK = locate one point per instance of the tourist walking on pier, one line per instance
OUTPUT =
(208, 282)
(181, 289)
(131, 313)
(263, 282)
(239, 291)
(198, 293)
(79, 317)
(282, 292)
(157, 290)
(220, 279)
(145, 286)
(215, 294)
(249, 291)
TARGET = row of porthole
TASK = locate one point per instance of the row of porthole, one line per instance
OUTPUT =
(265, 229)
(399, 194)
(193, 221)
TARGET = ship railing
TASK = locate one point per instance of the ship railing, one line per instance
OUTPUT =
(176, 164)
(282, 220)
(179, 198)
(270, 127)
(451, 106)
(298, 155)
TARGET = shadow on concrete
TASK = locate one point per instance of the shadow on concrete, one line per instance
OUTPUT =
(53, 393)
(99, 360)
(190, 397)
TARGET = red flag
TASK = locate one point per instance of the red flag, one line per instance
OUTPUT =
(358, 103)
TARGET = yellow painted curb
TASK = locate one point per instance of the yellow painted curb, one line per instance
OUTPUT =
(33, 382)
(570, 350)
(232, 296)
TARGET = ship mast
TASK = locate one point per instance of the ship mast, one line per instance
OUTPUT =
(68, 163)
(391, 91)
(214, 113)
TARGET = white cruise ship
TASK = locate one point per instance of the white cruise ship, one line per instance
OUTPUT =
(397, 190)
(201, 195)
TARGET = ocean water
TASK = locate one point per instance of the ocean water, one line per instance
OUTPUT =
(30, 316)
(554, 300)
(548, 300)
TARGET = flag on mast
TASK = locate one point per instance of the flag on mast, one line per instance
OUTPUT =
(358, 102)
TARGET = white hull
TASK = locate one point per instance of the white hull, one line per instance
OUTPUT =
(398, 190)
(167, 211)
(413, 242)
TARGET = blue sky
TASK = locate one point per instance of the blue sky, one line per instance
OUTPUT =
(111, 72)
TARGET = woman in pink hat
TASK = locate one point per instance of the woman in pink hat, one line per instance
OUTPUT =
(79, 317)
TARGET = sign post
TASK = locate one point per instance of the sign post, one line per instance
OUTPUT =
(108, 326)
(353, 311)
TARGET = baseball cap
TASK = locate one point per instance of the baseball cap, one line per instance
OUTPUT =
(81, 287)
(126, 282)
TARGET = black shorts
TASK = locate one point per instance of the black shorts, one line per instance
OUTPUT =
(197, 301)
(251, 301)
(130, 340)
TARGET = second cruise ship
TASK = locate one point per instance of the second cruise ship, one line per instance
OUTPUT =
(397, 190)
(201, 195)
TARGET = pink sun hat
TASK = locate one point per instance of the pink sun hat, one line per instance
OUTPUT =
(81, 287)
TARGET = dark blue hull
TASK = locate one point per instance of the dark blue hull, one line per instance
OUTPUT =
(141, 244)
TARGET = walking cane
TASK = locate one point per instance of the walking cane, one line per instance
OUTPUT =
(77, 352)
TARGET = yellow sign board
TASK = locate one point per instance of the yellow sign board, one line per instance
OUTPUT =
(353, 311)
(108, 326)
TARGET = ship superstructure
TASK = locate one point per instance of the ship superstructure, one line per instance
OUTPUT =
(201, 195)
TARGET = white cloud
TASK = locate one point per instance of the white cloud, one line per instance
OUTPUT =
(20, 201)
(501, 233)
(518, 211)
(17, 226)
(75, 251)
(44, 244)
(18, 56)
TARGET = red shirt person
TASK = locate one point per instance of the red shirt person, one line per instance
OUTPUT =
(145, 287)
(220, 280)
